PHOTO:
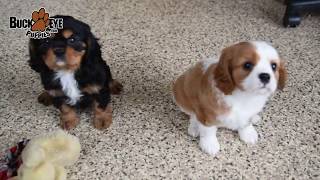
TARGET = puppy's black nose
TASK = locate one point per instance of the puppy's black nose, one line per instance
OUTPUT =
(264, 78)
(59, 51)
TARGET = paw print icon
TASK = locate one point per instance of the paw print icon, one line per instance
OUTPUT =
(41, 20)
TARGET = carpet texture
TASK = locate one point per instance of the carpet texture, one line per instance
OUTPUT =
(148, 43)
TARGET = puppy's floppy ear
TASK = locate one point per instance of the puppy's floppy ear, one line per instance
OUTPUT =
(283, 75)
(93, 52)
(35, 61)
(223, 72)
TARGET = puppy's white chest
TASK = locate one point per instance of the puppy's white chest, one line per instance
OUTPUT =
(69, 86)
(243, 106)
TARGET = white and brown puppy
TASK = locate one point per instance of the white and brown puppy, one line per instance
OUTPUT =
(230, 92)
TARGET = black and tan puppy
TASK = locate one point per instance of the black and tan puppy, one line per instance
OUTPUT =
(74, 74)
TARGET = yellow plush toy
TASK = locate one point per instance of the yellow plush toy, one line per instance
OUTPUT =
(45, 157)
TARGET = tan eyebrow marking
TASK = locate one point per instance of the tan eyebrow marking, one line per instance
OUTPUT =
(67, 33)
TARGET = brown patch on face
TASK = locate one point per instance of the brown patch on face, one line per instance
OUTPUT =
(50, 59)
(239, 73)
(282, 75)
(115, 87)
(102, 117)
(73, 58)
(230, 71)
(68, 117)
(194, 92)
(67, 33)
(91, 89)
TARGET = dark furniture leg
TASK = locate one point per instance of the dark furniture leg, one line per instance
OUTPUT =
(295, 7)
(291, 17)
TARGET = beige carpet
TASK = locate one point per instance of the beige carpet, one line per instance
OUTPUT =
(148, 43)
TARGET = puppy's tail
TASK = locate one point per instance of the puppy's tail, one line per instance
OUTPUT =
(115, 87)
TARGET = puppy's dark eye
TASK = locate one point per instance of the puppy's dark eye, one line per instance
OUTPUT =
(273, 66)
(71, 40)
(45, 41)
(248, 66)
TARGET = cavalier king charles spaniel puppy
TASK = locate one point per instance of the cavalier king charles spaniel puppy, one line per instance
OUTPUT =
(230, 92)
(73, 73)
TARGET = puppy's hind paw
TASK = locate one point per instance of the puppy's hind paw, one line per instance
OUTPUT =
(193, 131)
(45, 98)
(115, 87)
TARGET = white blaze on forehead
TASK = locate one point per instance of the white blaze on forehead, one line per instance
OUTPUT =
(265, 51)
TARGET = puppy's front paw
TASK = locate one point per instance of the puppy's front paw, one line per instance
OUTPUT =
(70, 124)
(210, 145)
(102, 118)
(248, 135)
(102, 122)
(255, 119)
(69, 121)
(68, 117)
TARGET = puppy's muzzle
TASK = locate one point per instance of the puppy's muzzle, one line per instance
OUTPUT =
(59, 52)
(60, 56)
